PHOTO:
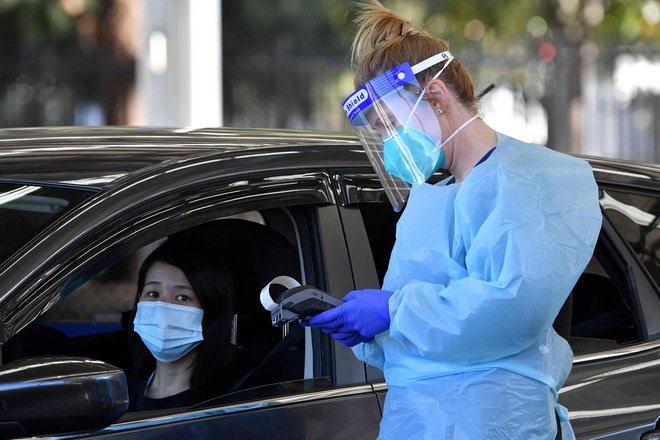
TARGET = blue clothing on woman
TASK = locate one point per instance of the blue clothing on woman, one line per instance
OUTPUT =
(479, 271)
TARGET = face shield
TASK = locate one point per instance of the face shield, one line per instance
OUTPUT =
(398, 128)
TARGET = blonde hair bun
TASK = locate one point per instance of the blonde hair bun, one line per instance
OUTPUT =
(375, 26)
(384, 40)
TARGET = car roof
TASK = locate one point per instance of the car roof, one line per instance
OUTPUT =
(99, 156)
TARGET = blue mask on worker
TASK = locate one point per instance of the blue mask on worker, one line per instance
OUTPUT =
(411, 155)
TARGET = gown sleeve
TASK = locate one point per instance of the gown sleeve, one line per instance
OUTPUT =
(371, 353)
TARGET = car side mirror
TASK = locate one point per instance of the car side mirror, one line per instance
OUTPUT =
(52, 395)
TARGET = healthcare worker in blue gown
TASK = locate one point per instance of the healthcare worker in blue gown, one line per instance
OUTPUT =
(483, 261)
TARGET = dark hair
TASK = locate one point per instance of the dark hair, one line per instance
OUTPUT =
(211, 282)
(384, 40)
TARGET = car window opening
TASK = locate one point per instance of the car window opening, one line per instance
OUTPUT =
(26, 210)
(93, 320)
(602, 316)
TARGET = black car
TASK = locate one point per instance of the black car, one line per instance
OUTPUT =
(79, 206)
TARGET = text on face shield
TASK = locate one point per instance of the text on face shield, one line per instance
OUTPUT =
(353, 102)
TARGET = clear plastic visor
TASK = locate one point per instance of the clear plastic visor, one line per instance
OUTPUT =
(388, 108)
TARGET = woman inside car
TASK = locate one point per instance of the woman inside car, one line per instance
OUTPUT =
(181, 331)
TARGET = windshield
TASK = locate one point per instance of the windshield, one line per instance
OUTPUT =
(26, 210)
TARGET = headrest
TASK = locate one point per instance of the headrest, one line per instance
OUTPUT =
(254, 255)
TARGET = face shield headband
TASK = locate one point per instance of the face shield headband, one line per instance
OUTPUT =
(398, 128)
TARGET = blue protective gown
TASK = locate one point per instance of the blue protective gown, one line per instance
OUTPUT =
(479, 272)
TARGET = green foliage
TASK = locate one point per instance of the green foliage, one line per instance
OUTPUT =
(499, 22)
(39, 22)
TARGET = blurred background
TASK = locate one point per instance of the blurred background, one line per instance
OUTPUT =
(582, 76)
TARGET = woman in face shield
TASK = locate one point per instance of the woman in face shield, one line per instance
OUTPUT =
(483, 261)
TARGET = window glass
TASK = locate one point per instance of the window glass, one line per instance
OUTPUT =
(25, 210)
(601, 307)
(637, 218)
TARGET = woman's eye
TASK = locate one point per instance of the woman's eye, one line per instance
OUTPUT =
(151, 294)
(182, 298)
(389, 122)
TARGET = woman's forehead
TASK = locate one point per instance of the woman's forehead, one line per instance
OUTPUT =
(160, 271)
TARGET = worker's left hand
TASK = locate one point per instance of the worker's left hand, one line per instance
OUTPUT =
(364, 314)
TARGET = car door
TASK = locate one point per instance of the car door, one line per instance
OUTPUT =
(330, 399)
(613, 391)
(612, 315)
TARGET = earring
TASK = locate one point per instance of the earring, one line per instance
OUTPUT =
(439, 111)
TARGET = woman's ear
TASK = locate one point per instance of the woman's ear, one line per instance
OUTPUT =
(437, 93)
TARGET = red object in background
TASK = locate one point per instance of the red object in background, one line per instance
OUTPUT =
(546, 51)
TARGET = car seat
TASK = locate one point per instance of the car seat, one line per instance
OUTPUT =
(255, 254)
(562, 323)
(600, 310)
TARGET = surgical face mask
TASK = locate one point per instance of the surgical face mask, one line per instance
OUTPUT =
(414, 161)
(413, 156)
(169, 331)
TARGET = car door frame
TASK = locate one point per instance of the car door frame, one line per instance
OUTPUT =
(629, 372)
(153, 207)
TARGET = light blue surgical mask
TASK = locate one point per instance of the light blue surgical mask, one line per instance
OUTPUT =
(411, 155)
(169, 331)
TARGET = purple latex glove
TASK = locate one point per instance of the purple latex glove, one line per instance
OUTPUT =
(364, 314)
